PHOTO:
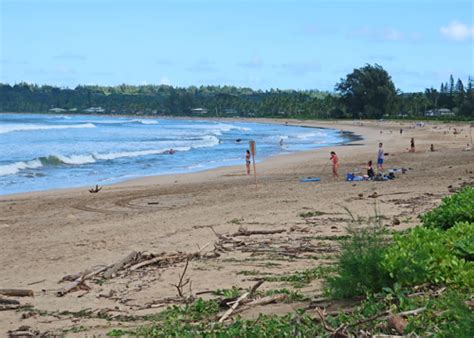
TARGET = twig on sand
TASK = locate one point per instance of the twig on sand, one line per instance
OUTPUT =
(245, 232)
(182, 284)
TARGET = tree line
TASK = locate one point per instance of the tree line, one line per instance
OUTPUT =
(367, 92)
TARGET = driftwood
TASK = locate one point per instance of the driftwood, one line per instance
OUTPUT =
(17, 292)
(245, 232)
(267, 300)
(240, 300)
(95, 190)
(8, 301)
(182, 284)
(234, 306)
(166, 260)
(79, 281)
(120, 264)
(6, 307)
(24, 331)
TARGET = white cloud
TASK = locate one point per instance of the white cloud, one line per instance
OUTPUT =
(165, 81)
(384, 34)
(457, 31)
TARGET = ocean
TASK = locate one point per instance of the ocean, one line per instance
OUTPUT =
(42, 152)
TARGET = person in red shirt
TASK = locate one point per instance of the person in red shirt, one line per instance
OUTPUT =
(335, 165)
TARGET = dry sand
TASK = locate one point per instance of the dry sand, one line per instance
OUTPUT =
(47, 235)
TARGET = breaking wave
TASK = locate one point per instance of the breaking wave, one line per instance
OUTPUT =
(57, 160)
(29, 127)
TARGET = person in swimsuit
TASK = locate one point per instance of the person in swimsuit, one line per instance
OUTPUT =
(247, 161)
(412, 145)
(335, 165)
(370, 170)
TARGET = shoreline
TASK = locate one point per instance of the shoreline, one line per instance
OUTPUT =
(347, 138)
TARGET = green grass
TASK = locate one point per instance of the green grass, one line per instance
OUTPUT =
(301, 278)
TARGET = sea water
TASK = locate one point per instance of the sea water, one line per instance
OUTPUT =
(41, 152)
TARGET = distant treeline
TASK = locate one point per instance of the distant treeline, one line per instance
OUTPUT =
(368, 92)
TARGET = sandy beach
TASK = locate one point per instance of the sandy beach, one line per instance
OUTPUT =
(45, 236)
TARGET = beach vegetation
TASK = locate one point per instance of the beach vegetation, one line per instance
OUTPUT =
(455, 208)
(424, 275)
(360, 264)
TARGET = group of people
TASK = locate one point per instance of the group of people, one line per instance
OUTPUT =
(370, 170)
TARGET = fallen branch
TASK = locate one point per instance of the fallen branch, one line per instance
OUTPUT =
(245, 232)
(234, 306)
(268, 300)
(169, 259)
(182, 284)
(79, 281)
(240, 300)
(17, 292)
(412, 312)
(120, 264)
(6, 307)
(9, 301)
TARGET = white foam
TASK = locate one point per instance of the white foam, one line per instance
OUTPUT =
(305, 136)
(11, 169)
(76, 159)
(216, 129)
(146, 121)
(31, 127)
(121, 154)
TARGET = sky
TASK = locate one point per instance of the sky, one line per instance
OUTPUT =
(260, 44)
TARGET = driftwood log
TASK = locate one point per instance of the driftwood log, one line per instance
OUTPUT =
(76, 283)
(17, 292)
(120, 264)
(240, 300)
(245, 232)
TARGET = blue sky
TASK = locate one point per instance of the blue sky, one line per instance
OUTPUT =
(258, 44)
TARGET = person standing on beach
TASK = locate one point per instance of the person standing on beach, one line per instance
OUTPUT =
(412, 145)
(247, 161)
(380, 158)
(335, 165)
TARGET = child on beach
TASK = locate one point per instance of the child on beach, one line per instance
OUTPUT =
(412, 145)
(335, 165)
(370, 170)
(247, 161)
(380, 157)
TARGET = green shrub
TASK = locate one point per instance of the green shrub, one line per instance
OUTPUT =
(456, 208)
(432, 255)
(359, 267)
